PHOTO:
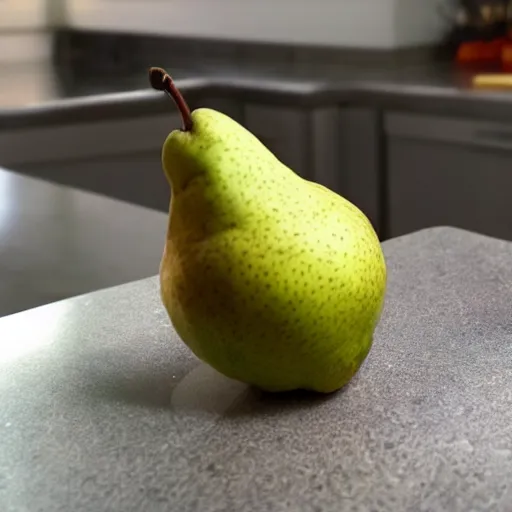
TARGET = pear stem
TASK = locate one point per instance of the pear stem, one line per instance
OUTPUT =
(162, 81)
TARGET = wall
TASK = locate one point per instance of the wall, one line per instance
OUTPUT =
(24, 28)
(419, 21)
(351, 23)
(24, 24)
(22, 14)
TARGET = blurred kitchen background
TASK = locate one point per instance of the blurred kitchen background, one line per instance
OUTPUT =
(402, 106)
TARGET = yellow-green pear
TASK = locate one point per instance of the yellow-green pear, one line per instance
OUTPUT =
(271, 279)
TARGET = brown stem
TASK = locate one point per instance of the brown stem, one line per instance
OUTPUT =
(161, 80)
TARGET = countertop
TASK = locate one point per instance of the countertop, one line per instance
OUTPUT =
(104, 409)
(58, 242)
(47, 93)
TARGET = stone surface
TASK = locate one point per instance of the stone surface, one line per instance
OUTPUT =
(57, 242)
(103, 409)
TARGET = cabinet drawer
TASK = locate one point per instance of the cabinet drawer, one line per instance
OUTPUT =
(446, 171)
(359, 175)
(137, 178)
(116, 158)
(433, 183)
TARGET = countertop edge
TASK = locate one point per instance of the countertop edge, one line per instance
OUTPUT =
(379, 95)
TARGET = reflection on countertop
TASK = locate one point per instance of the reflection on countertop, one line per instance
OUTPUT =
(58, 242)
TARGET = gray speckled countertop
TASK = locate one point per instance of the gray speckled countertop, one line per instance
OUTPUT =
(103, 409)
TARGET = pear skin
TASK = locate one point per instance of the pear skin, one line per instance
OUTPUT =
(271, 279)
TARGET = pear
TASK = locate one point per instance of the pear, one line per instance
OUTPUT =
(271, 279)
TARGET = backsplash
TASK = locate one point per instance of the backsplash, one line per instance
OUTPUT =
(22, 14)
(117, 53)
(268, 25)
(25, 28)
(384, 24)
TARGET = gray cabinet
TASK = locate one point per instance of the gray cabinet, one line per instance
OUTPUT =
(359, 177)
(119, 158)
(445, 171)
(284, 131)
(136, 177)
(304, 139)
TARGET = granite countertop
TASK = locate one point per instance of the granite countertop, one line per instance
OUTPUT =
(48, 93)
(104, 409)
(58, 242)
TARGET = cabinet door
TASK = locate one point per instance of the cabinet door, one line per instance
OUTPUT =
(325, 159)
(285, 132)
(449, 172)
(136, 178)
(81, 141)
(359, 174)
(117, 158)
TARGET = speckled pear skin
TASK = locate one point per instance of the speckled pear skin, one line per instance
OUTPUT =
(270, 279)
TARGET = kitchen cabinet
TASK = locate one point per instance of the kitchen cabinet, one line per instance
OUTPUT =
(136, 177)
(306, 140)
(119, 158)
(284, 131)
(448, 171)
(324, 129)
(360, 176)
